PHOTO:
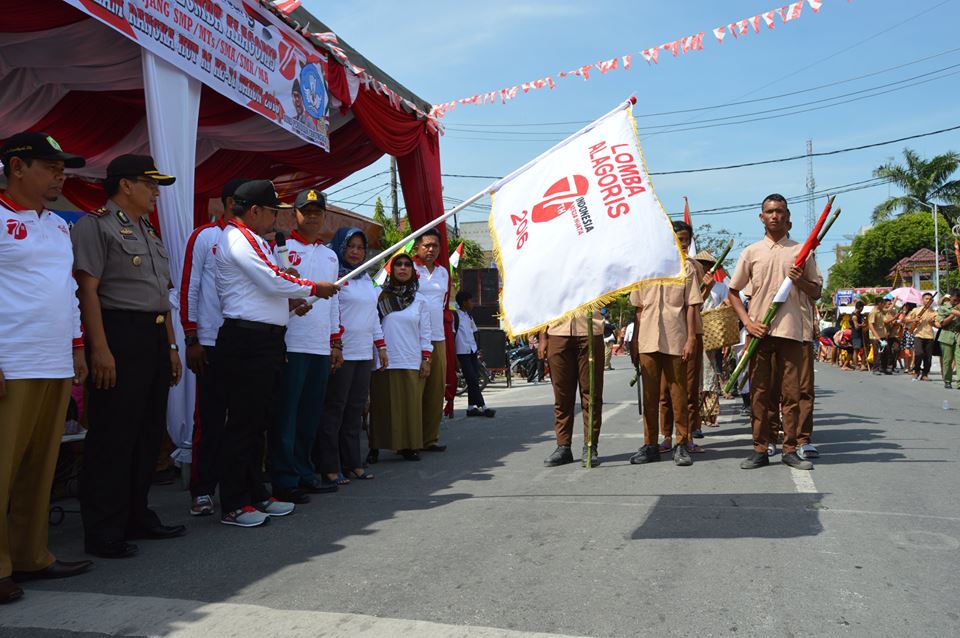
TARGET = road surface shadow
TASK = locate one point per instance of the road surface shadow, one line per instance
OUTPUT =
(704, 516)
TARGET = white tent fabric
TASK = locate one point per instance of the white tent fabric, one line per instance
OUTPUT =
(173, 106)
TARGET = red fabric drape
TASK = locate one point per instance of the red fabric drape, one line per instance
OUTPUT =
(85, 195)
(37, 15)
(89, 123)
(337, 84)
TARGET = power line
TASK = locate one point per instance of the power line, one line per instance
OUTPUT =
(757, 163)
(365, 179)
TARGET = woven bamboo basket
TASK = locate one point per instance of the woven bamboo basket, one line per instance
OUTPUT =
(720, 328)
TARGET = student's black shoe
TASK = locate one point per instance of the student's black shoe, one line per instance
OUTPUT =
(489, 413)
(111, 549)
(474, 412)
(409, 455)
(291, 495)
(561, 456)
(317, 486)
(755, 460)
(947, 385)
(594, 459)
(681, 455)
(646, 454)
(793, 460)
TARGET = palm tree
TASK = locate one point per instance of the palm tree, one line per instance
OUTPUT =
(925, 180)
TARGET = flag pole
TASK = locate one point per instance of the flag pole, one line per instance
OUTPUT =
(590, 406)
(489, 189)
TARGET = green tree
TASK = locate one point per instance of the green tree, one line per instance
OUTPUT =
(716, 241)
(391, 233)
(874, 253)
(928, 181)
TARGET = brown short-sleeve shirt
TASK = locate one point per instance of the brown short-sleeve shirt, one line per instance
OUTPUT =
(662, 323)
(126, 256)
(763, 266)
(878, 330)
(923, 329)
(576, 326)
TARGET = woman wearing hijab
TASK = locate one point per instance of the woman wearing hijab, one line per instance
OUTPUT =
(349, 387)
(396, 391)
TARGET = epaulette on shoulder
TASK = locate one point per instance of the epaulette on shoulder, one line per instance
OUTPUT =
(100, 212)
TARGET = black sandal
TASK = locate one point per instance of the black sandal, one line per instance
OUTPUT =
(364, 475)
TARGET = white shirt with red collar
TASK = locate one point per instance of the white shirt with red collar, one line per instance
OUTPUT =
(434, 287)
(200, 310)
(362, 332)
(313, 332)
(249, 283)
(39, 310)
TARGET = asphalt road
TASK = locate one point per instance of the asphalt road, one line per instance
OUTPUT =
(484, 541)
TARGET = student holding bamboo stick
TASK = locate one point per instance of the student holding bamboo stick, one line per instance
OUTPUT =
(763, 267)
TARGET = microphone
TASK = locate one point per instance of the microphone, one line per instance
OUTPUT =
(282, 252)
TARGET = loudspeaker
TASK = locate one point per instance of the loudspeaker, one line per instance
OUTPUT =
(492, 342)
(484, 284)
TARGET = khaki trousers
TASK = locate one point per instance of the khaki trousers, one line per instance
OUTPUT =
(807, 395)
(664, 372)
(32, 415)
(433, 392)
(569, 367)
(694, 372)
(775, 386)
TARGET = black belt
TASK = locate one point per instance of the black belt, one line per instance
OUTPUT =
(258, 326)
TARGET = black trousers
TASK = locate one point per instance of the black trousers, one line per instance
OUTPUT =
(347, 391)
(470, 366)
(126, 428)
(250, 363)
(922, 356)
(211, 414)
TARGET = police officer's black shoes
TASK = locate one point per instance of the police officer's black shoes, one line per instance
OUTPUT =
(755, 460)
(157, 533)
(594, 460)
(793, 460)
(646, 454)
(111, 549)
(561, 456)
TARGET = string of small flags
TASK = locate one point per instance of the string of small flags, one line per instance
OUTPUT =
(684, 45)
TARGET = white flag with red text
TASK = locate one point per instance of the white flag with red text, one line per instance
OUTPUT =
(579, 226)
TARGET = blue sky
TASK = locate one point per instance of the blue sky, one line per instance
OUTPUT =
(443, 51)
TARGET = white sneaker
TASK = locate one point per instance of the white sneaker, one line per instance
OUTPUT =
(202, 506)
(245, 517)
(807, 451)
(771, 449)
(273, 507)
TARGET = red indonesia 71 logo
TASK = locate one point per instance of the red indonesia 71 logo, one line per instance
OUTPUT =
(556, 201)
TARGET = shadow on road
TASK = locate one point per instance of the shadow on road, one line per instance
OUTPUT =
(704, 516)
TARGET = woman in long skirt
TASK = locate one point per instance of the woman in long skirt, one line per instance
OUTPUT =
(397, 390)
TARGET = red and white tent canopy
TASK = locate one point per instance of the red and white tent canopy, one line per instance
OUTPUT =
(99, 94)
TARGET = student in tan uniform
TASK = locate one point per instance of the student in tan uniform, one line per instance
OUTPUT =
(878, 336)
(763, 266)
(565, 347)
(703, 282)
(806, 449)
(665, 343)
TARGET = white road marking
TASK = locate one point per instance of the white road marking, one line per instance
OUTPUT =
(803, 481)
(175, 618)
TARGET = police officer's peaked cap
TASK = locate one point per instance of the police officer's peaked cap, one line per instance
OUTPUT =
(130, 166)
(35, 145)
(311, 196)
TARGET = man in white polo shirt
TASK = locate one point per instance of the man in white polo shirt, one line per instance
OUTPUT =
(41, 353)
(434, 285)
(201, 317)
(254, 294)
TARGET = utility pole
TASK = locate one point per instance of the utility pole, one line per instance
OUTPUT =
(811, 188)
(394, 204)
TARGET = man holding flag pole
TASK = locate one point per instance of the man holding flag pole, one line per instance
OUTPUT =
(569, 216)
(769, 267)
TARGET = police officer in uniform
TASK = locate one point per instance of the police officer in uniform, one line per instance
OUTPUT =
(123, 275)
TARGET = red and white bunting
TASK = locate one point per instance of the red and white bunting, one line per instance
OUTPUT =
(683, 45)
(285, 6)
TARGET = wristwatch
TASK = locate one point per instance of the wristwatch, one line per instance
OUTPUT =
(175, 347)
